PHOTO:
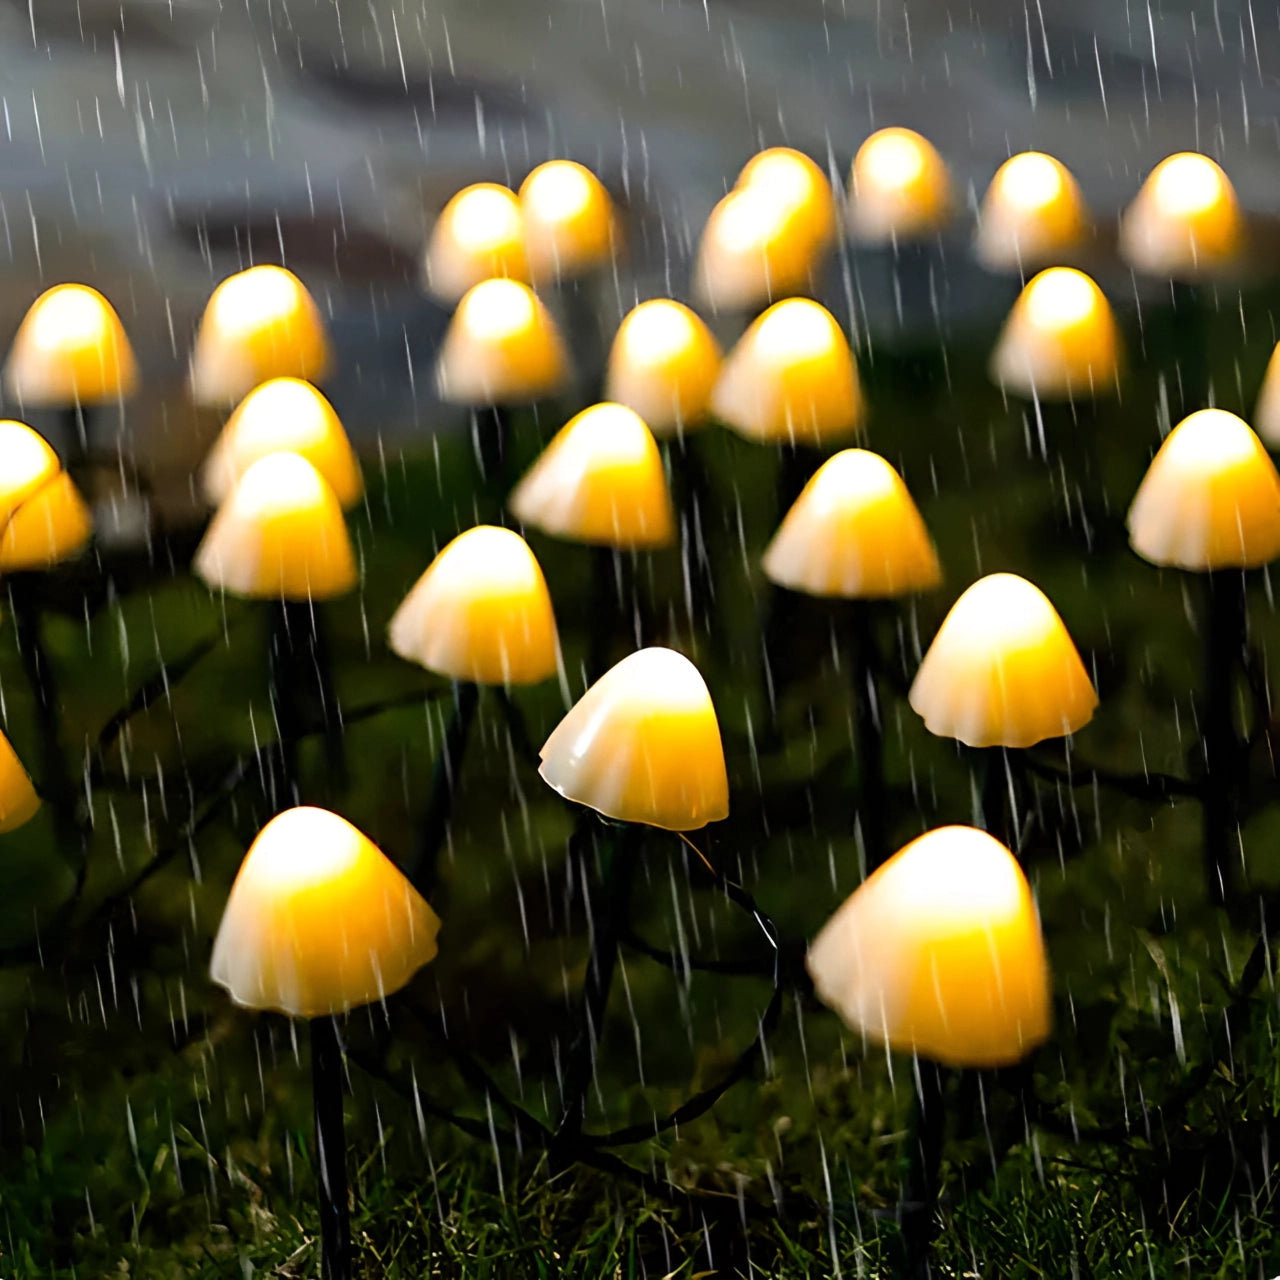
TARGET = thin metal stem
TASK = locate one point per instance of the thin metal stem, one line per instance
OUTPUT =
(331, 1150)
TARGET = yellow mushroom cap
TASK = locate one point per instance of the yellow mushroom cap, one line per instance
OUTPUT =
(899, 188)
(800, 183)
(1210, 499)
(1266, 413)
(568, 220)
(599, 481)
(43, 518)
(478, 236)
(791, 377)
(1002, 670)
(285, 415)
(854, 532)
(663, 364)
(481, 612)
(279, 535)
(643, 745)
(1185, 222)
(319, 920)
(1060, 340)
(70, 349)
(757, 245)
(18, 800)
(501, 347)
(939, 953)
(1033, 213)
(259, 324)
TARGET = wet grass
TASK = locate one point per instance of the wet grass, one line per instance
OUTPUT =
(147, 1126)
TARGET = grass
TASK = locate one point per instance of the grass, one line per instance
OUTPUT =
(149, 1128)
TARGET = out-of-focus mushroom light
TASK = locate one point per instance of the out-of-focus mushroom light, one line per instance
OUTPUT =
(1185, 222)
(899, 188)
(791, 378)
(1032, 214)
(1060, 341)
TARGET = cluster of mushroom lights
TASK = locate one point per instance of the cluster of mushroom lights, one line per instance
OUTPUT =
(938, 952)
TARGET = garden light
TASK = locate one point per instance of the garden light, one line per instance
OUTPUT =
(1185, 222)
(899, 188)
(642, 745)
(1060, 341)
(1266, 413)
(285, 415)
(478, 236)
(480, 615)
(501, 347)
(1210, 499)
(18, 800)
(1210, 504)
(1032, 214)
(70, 350)
(259, 324)
(569, 224)
(799, 183)
(320, 922)
(599, 481)
(642, 749)
(757, 245)
(663, 365)
(791, 378)
(939, 953)
(855, 534)
(279, 535)
(43, 518)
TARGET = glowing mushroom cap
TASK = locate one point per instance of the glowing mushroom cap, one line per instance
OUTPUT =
(939, 953)
(478, 236)
(43, 518)
(285, 415)
(599, 481)
(800, 183)
(663, 364)
(643, 745)
(319, 920)
(791, 377)
(501, 347)
(757, 245)
(854, 532)
(279, 535)
(1032, 214)
(1060, 340)
(259, 324)
(1266, 413)
(1002, 670)
(899, 188)
(70, 349)
(481, 612)
(18, 800)
(1210, 499)
(569, 226)
(1185, 222)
